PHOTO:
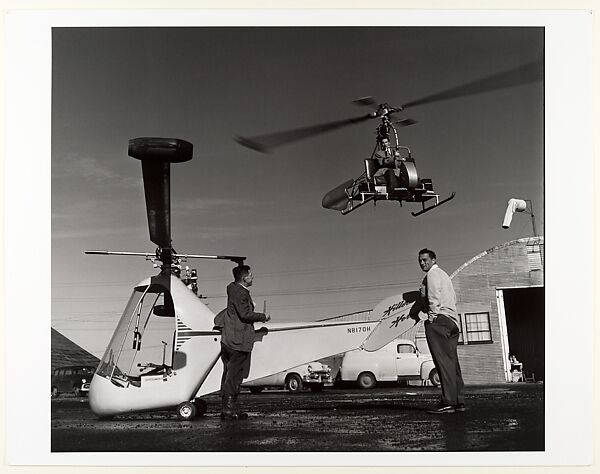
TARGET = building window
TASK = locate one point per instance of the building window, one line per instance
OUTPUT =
(461, 338)
(535, 256)
(478, 327)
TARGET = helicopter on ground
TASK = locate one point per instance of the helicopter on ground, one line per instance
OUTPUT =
(164, 352)
(390, 173)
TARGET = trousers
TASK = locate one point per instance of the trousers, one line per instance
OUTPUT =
(236, 367)
(442, 338)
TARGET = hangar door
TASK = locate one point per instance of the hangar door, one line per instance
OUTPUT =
(524, 311)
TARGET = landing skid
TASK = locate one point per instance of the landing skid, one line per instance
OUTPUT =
(352, 206)
(437, 203)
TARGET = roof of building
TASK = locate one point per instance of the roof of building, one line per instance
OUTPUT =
(64, 352)
(539, 240)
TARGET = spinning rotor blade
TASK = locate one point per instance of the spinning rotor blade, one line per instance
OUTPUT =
(524, 74)
(266, 143)
(405, 122)
(366, 101)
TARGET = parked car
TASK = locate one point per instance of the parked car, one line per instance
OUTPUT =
(73, 379)
(313, 375)
(397, 361)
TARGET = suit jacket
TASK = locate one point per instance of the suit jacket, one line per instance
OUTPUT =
(239, 319)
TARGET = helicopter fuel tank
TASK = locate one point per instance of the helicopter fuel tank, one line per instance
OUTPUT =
(338, 198)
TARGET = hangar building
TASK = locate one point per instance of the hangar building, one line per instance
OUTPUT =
(500, 301)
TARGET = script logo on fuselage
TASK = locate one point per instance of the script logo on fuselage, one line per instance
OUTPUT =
(394, 307)
(403, 316)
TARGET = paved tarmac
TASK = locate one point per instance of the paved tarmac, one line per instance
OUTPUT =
(508, 417)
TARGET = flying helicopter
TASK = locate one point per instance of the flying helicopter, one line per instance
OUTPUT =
(164, 352)
(390, 173)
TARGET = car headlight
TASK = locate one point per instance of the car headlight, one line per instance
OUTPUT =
(83, 380)
(309, 368)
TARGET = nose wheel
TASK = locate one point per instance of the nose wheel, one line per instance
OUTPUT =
(189, 410)
(186, 411)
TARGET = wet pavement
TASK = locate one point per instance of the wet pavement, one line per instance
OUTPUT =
(508, 417)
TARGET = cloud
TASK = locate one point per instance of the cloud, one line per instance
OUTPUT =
(94, 232)
(203, 204)
(72, 166)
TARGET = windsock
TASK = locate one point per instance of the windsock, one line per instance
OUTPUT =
(514, 205)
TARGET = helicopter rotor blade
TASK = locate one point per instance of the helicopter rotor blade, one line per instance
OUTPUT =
(158, 202)
(156, 155)
(524, 74)
(405, 122)
(367, 101)
(266, 143)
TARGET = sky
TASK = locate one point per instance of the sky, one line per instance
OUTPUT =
(208, 84)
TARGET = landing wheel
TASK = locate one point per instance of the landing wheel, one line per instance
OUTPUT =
(200, 406)
(186, 411)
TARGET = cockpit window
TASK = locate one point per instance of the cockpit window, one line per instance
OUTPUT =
(143, 340)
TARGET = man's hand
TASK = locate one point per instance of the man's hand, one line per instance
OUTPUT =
(267, 317)
(431, 316)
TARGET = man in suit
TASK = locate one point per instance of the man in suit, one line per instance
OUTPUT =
(237, 339)
(441, 331)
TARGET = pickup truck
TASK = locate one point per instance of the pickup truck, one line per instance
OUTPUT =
(397, 361)
(313, 375)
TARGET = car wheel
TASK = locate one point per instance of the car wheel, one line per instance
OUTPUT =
(434, 378)
(186, 411)
(293, 383)
(54, 393)
(366, 380)
(201, 406)
(76, 392)
(256, 389)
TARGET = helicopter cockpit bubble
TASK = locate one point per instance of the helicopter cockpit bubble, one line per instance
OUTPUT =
(143, 323)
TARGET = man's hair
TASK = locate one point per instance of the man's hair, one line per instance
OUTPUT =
(240, 272)
(427, 251)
